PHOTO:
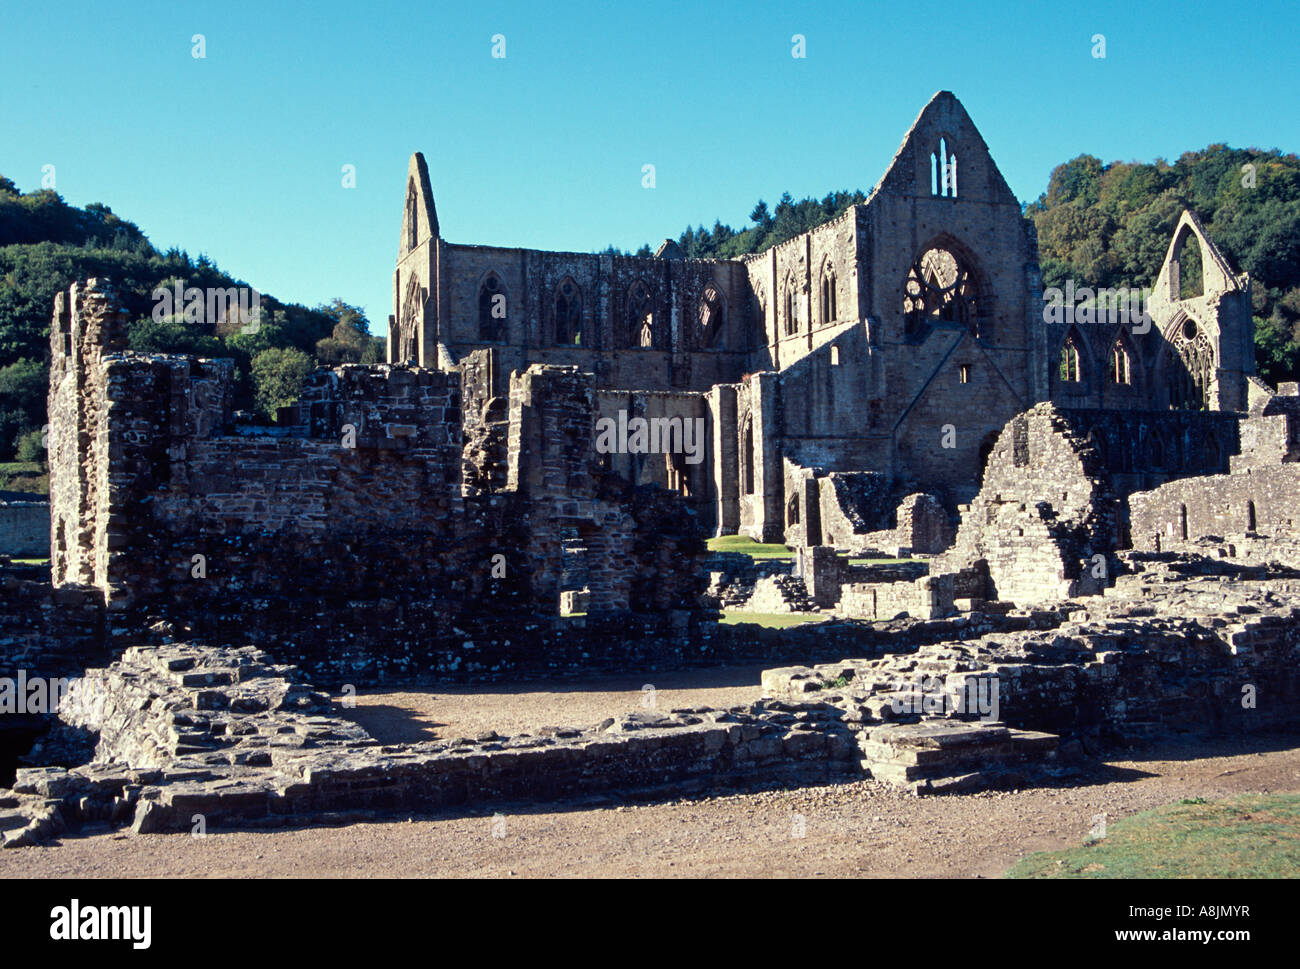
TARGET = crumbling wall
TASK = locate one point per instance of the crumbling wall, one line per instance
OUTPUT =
(852, 505)
(1254, 504)
(1045, 522)
(346, 536)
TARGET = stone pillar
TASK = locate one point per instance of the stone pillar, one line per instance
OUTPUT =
(726, 458)
(769, 476)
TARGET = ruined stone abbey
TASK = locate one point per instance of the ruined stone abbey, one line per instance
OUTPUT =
(1083, 518)
(873, 357)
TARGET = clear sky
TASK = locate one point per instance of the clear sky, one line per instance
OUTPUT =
(240, 154)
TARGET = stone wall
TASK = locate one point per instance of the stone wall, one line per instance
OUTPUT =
(24, 527)
(347, 537)
(228, 734)
(1045, 523)
(1254, 505)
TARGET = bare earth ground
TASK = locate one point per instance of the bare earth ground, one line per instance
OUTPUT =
(854, 829)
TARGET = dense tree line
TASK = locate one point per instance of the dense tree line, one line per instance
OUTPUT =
(1111, 225)
(46, 245)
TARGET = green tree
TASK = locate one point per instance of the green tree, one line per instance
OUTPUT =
(278, 376)
(23, 387)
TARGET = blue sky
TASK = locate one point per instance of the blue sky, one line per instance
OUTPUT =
(240, 154)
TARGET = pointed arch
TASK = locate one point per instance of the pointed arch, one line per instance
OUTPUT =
(1070, 368)
(747, 455)
(1095, 438)
(493, 308)
(1155, 449)
(790, 303)
(1188, 364)
(412, 216)
(566, 312)
(1120, 364)
(711, 315)
(946, 286)
(408, 325)
(1186, 266)
(829, 294)
(641, 328)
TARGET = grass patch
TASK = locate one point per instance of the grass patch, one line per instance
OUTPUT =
(1248, 836)
(773, 620)
(747, 546)
(839, 683)
(884, 561)
(30, 561)
(25, 476)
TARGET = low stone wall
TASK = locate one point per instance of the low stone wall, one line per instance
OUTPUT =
(228, 736)
(25, 528)
(1259, 500)
(1179, 644)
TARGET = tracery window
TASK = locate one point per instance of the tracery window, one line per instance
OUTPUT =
(640, 315)
(568, 312)
(791, 308)
(939, 289)
(828, 295)
(407, 339)
(1119, 365)
(1192, 368)
(712, 316)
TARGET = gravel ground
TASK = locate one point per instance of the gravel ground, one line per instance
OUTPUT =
(448, 712)
(852, 829)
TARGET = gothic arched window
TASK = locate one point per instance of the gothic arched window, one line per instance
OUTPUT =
(492, 309)
(408, 324)
(943, 172)
(640, 315)
(829, 314)
(939, 289)
(1191, 368)
(1120, 369)
(568, 312)
(712, 316)
(747, 458)
(412, 223)
(1069, 370)
(791, 302)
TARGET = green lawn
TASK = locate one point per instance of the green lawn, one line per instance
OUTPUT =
(773, 550)
(757, 550)
(1248, 836)
(30, 561)
(773, 620)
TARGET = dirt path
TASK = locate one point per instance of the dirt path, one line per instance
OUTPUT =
(402, 716)
(848, 830)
